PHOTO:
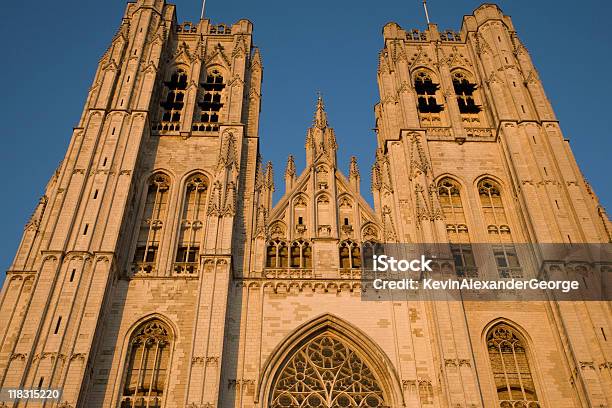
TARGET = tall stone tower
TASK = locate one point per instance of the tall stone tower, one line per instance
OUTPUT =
(146, 193)
(156, 271)
(470, 154)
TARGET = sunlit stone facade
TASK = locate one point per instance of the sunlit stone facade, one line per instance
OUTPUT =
(157, 272)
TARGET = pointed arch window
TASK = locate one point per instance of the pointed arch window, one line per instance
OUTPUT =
(172, 105)
(350, 255)
(511, 369)
(192, 225)
(425, 89)
(211, 103)
(326, 372)
(151, 225)
(301, 254)
(464, 91)
(146, 367)
(456, 227)
(499, 232)
(277, 254)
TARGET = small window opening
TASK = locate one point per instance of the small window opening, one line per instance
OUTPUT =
(95, 196)
(211, 104)
(135, 51)
(57, 326)
(557, 204)
(506, 58)
(40, 382)
(523, 109)
(104, 162)
(426, 93)
(121, 104)
(85, 229)
(603, 333)
(569, 239)
(346, 221)
(498, 38)
(173, 105)
(545, 172)
(72, 274)
(113, 132)
(514, 84)
(300, 221)
(534, 141)
(464, 90)
(128, 79)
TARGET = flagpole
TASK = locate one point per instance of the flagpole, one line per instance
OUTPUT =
(203, 5)
(426, 13)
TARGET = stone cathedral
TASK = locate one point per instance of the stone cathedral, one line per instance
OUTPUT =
(156, 271)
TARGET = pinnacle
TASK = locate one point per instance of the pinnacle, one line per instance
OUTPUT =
(320, 119)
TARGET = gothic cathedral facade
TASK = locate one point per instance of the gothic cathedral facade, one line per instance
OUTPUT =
(156, 271)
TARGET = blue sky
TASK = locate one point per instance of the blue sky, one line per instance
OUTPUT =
(51, 50)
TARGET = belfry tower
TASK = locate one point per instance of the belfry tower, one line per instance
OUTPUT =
(470, 154)
(156, 271)
(147, 192)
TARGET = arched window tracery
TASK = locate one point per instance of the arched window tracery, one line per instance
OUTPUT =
(301, 254)
(465, 93)
(151, 224)
(326, 372)
(500, 236)
(191, 225)
(211, 103)
(456, 227)
(427, 104)
(174, 101)
(146, 368)
(350, 255)
(277, 254)
(511, 369)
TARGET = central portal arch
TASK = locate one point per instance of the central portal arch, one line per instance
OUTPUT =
(328, 363)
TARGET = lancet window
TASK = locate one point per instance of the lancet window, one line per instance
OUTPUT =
(277, 254)
(426, 89)
(211, 103)
(464, 90)
(192, 225)
(511, 368)
(151, 224)
(174, 101)
(500, 236)
(456, 227)
(350, 255)
(301, 254)
(146, 367)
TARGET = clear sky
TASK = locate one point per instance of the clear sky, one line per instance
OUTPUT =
(51, 50)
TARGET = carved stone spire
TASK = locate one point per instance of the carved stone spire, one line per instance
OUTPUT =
(320, 118)
(354, 173)
(259, 174)
(269, 177)
(320, 138)
(268, 185)
(289, 173)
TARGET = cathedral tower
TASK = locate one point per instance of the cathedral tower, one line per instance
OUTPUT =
(143, 206)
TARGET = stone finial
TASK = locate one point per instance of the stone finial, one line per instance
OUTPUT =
(259, 174)
(290, 171)
(353, 168)
(269, 177)
(320, 118)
